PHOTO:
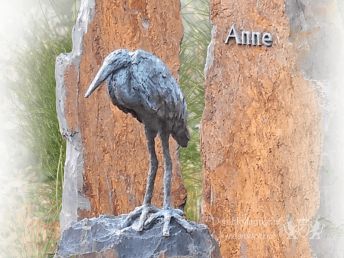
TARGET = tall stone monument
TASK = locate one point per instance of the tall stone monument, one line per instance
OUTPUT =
(107, 160)
(261, 128)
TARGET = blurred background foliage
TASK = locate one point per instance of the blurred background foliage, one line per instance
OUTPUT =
(197, 34)
(33, 90)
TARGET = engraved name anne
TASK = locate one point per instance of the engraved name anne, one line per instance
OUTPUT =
(250, 38)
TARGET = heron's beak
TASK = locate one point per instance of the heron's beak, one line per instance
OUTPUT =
(101, 76)
(113, 62)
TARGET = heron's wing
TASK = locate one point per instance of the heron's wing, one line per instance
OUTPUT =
(118, 90)
(126, 110)
(159, 91)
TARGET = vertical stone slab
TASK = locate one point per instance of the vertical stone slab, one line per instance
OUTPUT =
(107, 161)
(261, 131)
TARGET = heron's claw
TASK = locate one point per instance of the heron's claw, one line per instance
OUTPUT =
(168, 214)
(142, 212)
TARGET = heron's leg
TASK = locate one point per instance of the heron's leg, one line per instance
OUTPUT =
(153, 167)
(168, 212)
(146, 207)
(167, 181)
(167, 169)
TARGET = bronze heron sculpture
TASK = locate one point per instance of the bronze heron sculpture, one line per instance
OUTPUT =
(139, 83)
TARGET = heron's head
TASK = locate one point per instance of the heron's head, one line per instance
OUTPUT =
(113, 62)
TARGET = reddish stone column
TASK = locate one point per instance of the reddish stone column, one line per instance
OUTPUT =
(107, 160)
(260, 132)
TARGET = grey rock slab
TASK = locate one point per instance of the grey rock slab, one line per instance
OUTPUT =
(102, 237)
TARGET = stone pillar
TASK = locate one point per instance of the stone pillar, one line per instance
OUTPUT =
(107, 161)
(261, 129)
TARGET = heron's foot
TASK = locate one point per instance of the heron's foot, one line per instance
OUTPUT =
(168, 214)
(142, 212)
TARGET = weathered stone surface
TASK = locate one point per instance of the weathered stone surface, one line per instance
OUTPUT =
(261, 132)
(107, 161)
(101, 237)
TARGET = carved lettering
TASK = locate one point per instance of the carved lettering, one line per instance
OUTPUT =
(256, 39)
(246, 38)
(249, 38)
(233, 35)
(267, 39)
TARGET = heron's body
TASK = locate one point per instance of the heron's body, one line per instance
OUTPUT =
(143, 86)
(139, 83)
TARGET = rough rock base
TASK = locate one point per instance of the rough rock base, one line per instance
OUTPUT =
(102, 237)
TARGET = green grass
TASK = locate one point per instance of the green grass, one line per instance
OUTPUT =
(193, 54)
(33, 92)
(32, 230)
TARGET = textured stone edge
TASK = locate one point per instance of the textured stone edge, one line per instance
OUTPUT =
(116, 246)
(210, 51)
(74, 163)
